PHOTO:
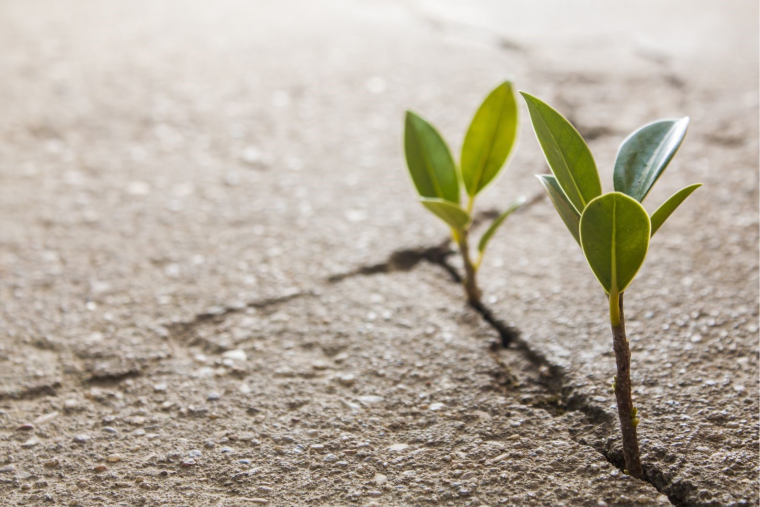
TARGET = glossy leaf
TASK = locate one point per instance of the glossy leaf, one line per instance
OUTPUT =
(429, 160)
(566, 152)
(615, 231)
(483, 243)
(645, 154)
(489, 139)
(566, 211)
(449, 212)
(668, 207)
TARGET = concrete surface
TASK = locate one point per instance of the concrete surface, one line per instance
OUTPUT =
(181, 180)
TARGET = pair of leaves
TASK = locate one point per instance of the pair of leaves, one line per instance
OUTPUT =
(612, 229)
(487, 145)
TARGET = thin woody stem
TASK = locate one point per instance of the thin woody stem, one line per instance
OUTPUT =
(470, 271)
(626, 411)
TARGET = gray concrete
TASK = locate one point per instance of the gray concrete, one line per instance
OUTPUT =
(181, 179)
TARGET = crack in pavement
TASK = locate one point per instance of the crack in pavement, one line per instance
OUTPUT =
(219, 313)
(554, 378)
(557, 381)
(177, 333)
(45, 388)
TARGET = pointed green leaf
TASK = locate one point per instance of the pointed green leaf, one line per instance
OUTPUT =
(668, 207)
(566, 211)
(489, 139)
(645, 154)
(449, 212)
(429, 160)
(483, 243)
(566, 152)
(615, 232)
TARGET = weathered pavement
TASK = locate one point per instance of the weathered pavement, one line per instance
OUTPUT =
(180, 182)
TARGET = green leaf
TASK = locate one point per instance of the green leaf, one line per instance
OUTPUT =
(615, 232)
(483, 243)
(429, 160)
(489, 139)
(566, 152)
(668, 207)
(566, 211)
(449, 212)
(645, 154)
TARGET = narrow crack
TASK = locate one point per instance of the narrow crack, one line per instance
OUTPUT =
(557, 381)
(44, 388)
(552, 376)
(218, 313)
(401, 260)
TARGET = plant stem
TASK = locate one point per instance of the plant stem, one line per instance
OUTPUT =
(623, 388)
(470, 271)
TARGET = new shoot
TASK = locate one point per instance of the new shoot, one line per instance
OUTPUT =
(437, 178)
(613, 229)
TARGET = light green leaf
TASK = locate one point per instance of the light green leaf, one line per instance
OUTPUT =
(429, 160)
(668, 207)
(615, 232)
(489, 139)
(449, 212)
(645, 154)
(483, 243)
(566, 211)
(566, 152)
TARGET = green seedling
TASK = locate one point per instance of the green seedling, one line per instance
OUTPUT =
(613, 229)
(437, 178)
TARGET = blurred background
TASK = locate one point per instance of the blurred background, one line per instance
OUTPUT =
(196, 152)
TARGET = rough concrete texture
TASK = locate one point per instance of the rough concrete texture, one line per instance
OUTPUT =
(182, 180)
(362, 393)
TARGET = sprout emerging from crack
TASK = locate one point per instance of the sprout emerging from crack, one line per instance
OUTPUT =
(613, 229)
(487, 145)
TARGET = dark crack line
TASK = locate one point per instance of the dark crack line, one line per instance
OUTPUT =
(32, 392)
(218, 314)
(557, 381)
(408, 258)
(401, 260)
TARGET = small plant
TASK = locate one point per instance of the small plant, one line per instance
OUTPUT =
(613, 229)
(487, 145)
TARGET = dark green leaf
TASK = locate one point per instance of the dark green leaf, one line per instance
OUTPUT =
(483, 243)
(429, 160)
(489, 139)
(566, 152)
(615, 232)
(645, 154)
(566, 211)
(668, 207)
(449, 212)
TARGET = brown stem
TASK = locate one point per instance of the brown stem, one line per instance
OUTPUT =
(624, 400)
(470, 281)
